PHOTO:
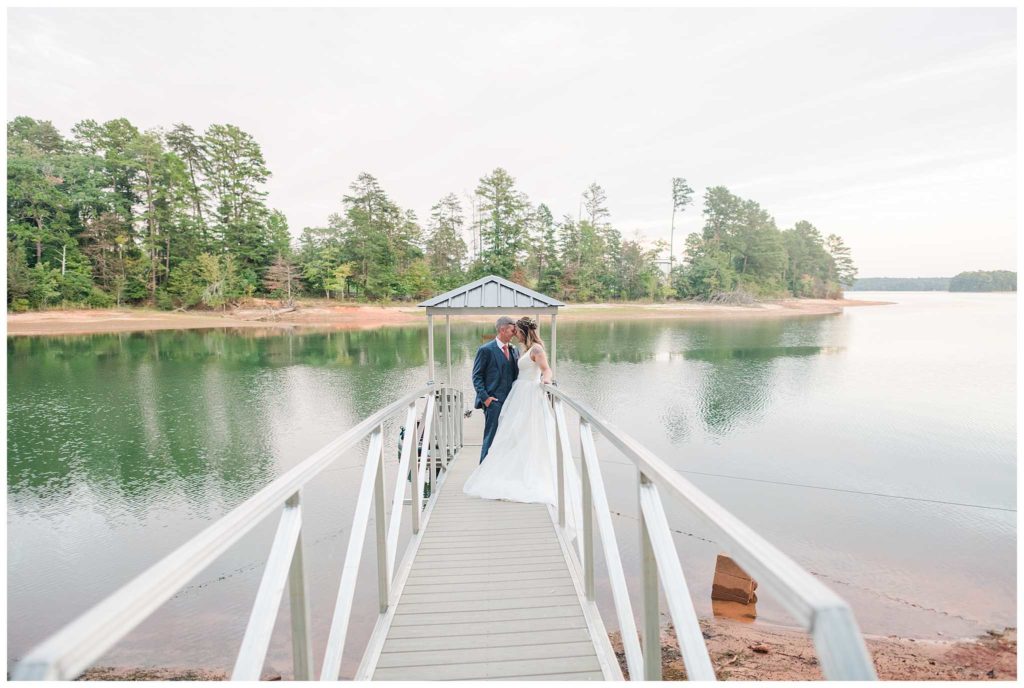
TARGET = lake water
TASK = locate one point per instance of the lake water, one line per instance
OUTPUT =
(877, 448)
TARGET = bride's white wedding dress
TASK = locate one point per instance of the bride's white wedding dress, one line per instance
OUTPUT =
(520, 465)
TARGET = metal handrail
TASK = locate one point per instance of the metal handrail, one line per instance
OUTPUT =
(64, 655)
(840, 646)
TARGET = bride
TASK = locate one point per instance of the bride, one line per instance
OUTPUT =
(521, 464)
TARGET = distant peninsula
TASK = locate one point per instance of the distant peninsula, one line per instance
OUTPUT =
(977, 281)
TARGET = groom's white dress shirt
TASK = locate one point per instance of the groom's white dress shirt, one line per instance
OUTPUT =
(500, 345)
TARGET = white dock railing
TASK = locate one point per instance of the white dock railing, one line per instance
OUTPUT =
(425, 453)
(841, 649)
(74, 648)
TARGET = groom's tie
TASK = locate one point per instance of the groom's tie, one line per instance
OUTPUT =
(504, 350)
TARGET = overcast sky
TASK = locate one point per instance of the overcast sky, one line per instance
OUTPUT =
(892, 128)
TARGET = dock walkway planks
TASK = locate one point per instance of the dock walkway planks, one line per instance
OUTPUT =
(489, 596)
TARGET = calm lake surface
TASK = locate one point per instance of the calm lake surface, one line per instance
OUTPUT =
(877, 448)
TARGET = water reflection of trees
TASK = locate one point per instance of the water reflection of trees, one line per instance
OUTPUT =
(144, 414)
(189, 411)
(611, 341)
(739, 359)
(733, 360)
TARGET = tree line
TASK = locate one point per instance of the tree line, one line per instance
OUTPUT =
(978, 280)
(179, 218)
(984, 280)
(901, 284)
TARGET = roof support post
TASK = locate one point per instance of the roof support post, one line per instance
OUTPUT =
(448, 336)
(430, 349)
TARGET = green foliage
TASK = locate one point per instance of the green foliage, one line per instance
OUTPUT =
(210, 281)
(120, 209)
(984, 280)
(810, 270)
(682, 194)
(379, 238)
(99, 299)
(502, 225)
(113, 215)
(75, 287)
(417, 281)
(846, 271)
(741, 249)
(901, 284)
(19, 278)
(446, 249)
(996, 280)
(709, 270)
(44, 286)
(337, 282)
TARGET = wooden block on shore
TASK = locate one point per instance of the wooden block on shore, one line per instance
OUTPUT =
(732, 583)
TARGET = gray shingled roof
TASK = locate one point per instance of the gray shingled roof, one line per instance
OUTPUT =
(492, 292)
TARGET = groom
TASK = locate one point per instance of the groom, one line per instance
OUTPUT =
(494, 371)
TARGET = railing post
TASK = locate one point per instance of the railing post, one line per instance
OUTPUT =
(560, 468)
(692, 646)
(649, 579)
(405, 467)
(432, 454)
(426, 454)
(445, 419)
(276, 575)
(462, 421)
(449, 426)
(379, 516)
(331, 668)
(416, 501)
(457, 419)
(298, 602)
(452, 421)
(588, 523)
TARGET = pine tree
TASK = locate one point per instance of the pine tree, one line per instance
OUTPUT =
(446, 249)
(502, 223)
(846, 271)
(682, 196)
(184, 142)
(544, 243)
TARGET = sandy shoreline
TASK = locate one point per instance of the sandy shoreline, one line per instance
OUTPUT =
(762, 652)
(323, 314)
(753, 652)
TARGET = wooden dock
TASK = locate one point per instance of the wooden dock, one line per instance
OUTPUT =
(490, 595)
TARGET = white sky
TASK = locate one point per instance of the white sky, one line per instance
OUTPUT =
(893, 128)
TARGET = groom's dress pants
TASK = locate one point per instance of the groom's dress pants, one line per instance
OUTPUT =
(491, 414)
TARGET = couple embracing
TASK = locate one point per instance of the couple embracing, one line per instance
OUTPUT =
(517, 456)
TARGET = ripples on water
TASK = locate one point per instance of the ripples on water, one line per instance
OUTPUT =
(121, 447)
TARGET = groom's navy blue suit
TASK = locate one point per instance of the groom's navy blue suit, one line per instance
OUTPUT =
(493, 376)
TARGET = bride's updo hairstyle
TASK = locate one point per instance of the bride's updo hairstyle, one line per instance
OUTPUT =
(528, 332)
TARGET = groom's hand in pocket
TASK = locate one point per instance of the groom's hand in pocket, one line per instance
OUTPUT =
(488, 400)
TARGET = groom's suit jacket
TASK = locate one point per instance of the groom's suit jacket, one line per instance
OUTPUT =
(493, 375)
